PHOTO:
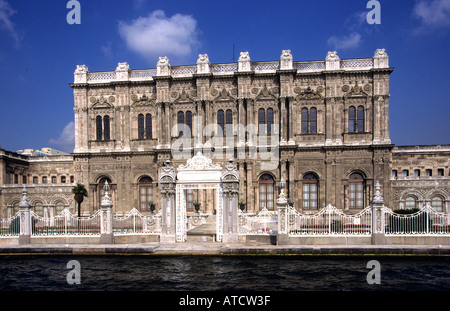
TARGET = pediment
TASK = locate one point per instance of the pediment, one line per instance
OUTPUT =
(143, 100)
(102, 102)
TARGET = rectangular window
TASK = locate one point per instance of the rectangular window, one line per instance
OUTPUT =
(416, 173)
(44, 179)
(35, 180)
(440, 172)
(428, 172)
(63, 179)
(394, 173)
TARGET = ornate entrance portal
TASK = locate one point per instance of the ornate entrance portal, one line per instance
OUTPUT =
(199, 173)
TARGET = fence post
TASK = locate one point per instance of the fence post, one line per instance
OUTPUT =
(25, 219)
(283, 231)
(106, 226)
(378, 219)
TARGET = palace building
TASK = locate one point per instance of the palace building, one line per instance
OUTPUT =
(320, 126)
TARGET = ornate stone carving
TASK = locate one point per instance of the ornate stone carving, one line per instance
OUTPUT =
(332, 61)
(244, 63)
(286, 60)
(163, 66)
(203, 64)
(380, 59)
(199, 162)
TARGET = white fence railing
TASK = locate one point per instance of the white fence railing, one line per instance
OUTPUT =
(264, 222)
(330, 221)
(65, 224)
(10, 226)
(425, 221)
(136, 223)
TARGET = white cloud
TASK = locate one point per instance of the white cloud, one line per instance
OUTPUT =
(158, 35)
(345, 42)
(433, 14)
(66, 140)
(6, 12)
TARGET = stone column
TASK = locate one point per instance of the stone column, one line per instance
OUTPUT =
(106, 226)
(230, 180)
(25, 219)
(167, 187)
(378, 221)
(282, 204)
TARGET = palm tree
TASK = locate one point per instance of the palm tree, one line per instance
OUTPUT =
(79, 192)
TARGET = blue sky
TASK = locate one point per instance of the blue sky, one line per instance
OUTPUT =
(39, 52)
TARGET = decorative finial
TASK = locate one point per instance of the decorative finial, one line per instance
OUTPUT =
(377, 197)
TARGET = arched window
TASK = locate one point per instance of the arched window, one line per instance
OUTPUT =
(261, 121)
(356, 191)
(310, 191)
(437, 204)
(106, 128)
(141, 126)
(266, 192)
(221, 121)
(180, 123)
(59, 207)
(99, 124)
(145, 193)
(145, 126)
(269, 121)
(148, 126)
(229, 126)
(189, 121)
(411, 202)
(100, 190)
(360, 118)
(304, 120)
(39, 209)
(351, 119)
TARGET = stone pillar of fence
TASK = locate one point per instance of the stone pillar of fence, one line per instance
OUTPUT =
(282, 205)
(167, 189)
(25, 219)
(378, 225)
(230, 183)
(106, 218)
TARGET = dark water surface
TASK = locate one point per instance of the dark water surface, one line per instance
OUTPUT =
(214, 273)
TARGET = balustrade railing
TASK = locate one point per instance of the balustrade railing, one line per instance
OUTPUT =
(10, 226)
(264, 222)
(423, 222)
(329, 221)
(136, 223)
(65, 224)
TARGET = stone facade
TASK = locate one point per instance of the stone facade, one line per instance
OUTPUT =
(321, 126)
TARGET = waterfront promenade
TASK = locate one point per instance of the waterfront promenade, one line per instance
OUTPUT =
(223, 249)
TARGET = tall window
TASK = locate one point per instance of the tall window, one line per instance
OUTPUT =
(310, 191)
(437, 204)
(261, 121)
(266, 192)
(182, 121)
(189, 121)
(265, 121)
(304, 120)
(99, 123)
(360, 119)
(309, 121)
(356, 191)
(145, 126)
(269, 121)
(221, 120)
(356, 119)
(145, 193)
(229, 126)
(106, 132)
(103, 128)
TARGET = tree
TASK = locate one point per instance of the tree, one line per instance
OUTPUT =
(79, 192)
